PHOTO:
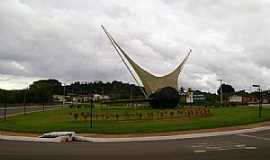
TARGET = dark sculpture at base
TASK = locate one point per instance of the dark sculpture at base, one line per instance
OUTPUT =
(167, 97)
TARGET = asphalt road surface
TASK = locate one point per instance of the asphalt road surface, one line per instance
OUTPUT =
(249, 146)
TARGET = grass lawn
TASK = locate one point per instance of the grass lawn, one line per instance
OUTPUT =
(60, 120)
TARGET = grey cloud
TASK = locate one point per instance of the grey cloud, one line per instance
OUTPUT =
(63, 40)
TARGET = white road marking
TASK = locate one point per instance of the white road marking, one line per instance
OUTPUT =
(199, 148)
(240, 145)
(213, 147)
(224, 149)
(199, 151)
(253, 136)
(250, 147)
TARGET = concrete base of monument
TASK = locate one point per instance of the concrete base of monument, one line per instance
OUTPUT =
(61, 137)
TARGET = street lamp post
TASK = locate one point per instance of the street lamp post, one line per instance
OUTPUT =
(64, 95)
(131, 96)
(91, 113)
(24, 100)
(5, 105)
(260, 98)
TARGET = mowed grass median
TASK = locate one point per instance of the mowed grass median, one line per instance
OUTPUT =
(61, 120)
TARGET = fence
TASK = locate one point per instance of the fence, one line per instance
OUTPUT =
(6, 112)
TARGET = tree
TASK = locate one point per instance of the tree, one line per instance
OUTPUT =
(227, 90)
(42, 91)
(182, 89)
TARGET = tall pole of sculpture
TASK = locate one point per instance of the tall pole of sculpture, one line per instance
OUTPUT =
(117, 50)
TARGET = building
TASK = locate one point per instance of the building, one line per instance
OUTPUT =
(235, 99)
(98, 97)
(245, 99)
(74, 98)
(58, 98)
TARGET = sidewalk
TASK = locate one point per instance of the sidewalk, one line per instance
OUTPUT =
(140, 137)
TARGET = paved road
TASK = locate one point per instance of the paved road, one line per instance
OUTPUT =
(234, 147)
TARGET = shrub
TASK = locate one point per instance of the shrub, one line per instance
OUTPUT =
(140, 115)
(150, 115)
(161, 114)
(76, 116)
(85, 115)
(171, 113)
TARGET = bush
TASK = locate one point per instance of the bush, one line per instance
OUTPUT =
(171, 113)
(76, 116)
(85, 115)
(140, 115)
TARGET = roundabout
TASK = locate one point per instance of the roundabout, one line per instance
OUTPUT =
(229, 133)
(129, 120)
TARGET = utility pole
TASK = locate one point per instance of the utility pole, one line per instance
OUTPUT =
(221, 92)
(64, 95)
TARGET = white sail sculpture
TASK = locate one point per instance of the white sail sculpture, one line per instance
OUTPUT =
(150, 82)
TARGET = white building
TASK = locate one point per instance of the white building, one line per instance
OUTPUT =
(58, 98)
(235, 99)
(98, 97)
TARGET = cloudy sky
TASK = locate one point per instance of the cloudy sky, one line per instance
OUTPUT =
(41, 39)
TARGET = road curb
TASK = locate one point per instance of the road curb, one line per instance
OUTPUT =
(171, 137)
(62, 139)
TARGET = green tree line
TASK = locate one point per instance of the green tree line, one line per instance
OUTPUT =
(42, 91)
